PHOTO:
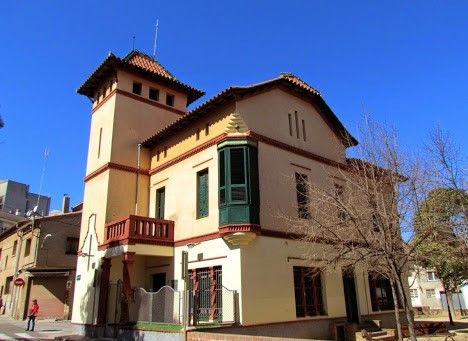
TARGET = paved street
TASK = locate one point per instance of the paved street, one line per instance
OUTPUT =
(45, 329)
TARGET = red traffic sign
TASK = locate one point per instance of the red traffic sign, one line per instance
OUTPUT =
(19, 282)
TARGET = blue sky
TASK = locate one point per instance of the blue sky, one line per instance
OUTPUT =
(404, 62)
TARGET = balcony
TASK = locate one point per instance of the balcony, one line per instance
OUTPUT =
(132, 230)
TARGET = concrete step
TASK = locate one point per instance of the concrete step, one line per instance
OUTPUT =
(384, 338)
(379, 333)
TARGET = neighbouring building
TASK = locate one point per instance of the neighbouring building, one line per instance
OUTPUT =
(163, 182)
(8, 220)
(428, 294)
(15, 198)
(37, 261)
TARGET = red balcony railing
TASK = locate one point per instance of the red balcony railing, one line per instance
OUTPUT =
(135, 229)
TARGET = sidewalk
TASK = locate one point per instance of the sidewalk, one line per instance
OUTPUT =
(46, 329)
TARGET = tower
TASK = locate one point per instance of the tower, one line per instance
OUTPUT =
(132, 98)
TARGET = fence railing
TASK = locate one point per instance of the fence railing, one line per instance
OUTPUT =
(135, 229)
(212, 306)
(163, 306)
(167, 306)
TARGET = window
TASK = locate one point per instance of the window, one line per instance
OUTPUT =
(27, 247)
(154, 94)
(302, 190)
(8, 282)
(432, 276)
(207, 284)
(381, 292)
(308, 291)
(290, 124)
(342, 216)
(202, 194)
(414, 293)
(303, 130)
(72, 246)
(99, 145)
(238, 184)
(15, 245)
(430, 293)
(207, 129)
(160, 200)
(170, 100)
(136, 88)
(197, 134)
(165, 151)
(1, 202)
(297, 124)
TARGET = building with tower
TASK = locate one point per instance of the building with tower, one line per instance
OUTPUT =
(163, 182)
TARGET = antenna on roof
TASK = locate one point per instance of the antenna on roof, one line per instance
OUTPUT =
(156, 38)
(133, 46)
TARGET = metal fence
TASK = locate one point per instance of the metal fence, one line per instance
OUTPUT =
(163, 306)
(208, 306)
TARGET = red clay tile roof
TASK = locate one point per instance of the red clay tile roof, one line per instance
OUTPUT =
(148, 63)
(139, 63)
(288, 81)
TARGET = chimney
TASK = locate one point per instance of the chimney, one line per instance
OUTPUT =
(66, 203)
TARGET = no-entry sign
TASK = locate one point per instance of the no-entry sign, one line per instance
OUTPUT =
(19, 282)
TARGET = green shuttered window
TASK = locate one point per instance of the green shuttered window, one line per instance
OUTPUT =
(238, 185)
(202, 193)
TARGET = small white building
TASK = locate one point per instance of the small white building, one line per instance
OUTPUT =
(427, 291)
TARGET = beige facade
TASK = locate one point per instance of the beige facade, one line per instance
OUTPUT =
(42, 253)
(153, 191)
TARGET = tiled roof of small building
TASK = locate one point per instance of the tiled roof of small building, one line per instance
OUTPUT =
(287, 80)
(139, 63)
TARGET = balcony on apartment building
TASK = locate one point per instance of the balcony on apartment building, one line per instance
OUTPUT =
(137, 233)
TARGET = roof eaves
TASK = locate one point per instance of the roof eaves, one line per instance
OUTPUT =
(108, 63)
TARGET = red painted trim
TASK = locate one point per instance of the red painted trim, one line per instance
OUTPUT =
(226, 229)
(104, 100)
(216, 140)
(295, 150)
(113, 165)
(198, 239)
(189, 153)
(252, 136)
(150, 102)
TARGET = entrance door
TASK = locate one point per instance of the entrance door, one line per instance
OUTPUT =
(350, 296)
(159, 280)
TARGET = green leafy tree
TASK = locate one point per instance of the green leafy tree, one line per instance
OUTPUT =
(441, 222)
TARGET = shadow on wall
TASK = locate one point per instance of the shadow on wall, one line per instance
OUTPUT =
(88, 310)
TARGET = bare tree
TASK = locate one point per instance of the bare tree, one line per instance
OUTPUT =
(363, 213)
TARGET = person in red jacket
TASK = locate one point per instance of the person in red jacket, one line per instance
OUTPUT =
(32, 315)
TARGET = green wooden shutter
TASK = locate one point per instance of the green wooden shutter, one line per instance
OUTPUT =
(202, 194)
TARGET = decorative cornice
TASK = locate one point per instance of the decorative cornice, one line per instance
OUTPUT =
(252, 136)
(189, 153)
(296, 150)
(197, 239)
(150, 102)
(104, 100)
(232, 228)
(117, 166)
